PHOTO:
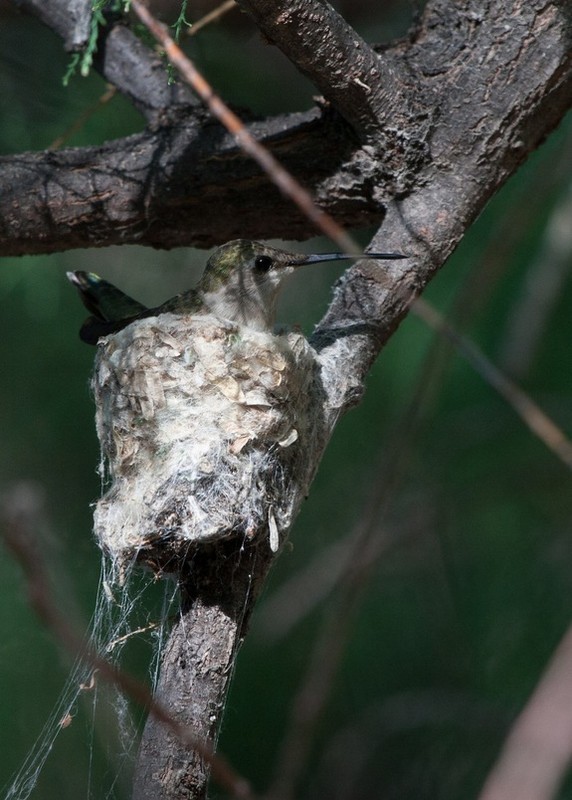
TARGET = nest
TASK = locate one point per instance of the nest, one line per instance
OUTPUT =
(207, 432)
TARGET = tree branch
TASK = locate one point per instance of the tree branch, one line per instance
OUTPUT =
(133, 191)
(70, 20)
(493, 112)
(482, 82)
(138, 72)
(364, 86)
(179, 186)
(121, 58)
(197, 666)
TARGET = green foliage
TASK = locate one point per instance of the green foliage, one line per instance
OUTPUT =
(84, 60)
(181, 22)
(178, 26)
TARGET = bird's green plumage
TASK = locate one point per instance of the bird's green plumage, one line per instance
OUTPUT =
(224, 260)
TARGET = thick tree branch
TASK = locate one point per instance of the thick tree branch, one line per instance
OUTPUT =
(123, 60)
(119, 192)
(493, 112)
(197, 668)
(178, 186)
(364, 86)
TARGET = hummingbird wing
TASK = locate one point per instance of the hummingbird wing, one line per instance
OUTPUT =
(111, 308)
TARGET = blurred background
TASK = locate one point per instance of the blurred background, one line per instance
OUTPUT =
(428, 576)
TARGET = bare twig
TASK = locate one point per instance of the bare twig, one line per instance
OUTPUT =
(530, 413)
(212, 16)
(541, 290)
(362, 85)
(81, 120)
(538, 749)
(368, 541)
(18, 537)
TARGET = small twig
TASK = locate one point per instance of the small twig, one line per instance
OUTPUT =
(541, 290)
(18, 538)
(312, 697)
(212, 16)
(369, 539)
(303, 591)
(538, 749)
(280, 176)
(530, 413)
(81, 120)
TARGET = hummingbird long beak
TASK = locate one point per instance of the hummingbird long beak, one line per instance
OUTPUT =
(314, 258)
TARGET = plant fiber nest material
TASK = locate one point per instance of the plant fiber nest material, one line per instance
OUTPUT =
(207, 429)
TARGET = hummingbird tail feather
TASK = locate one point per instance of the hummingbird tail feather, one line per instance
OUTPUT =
(102, 299)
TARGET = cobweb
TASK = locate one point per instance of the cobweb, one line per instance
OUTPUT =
(118, 617)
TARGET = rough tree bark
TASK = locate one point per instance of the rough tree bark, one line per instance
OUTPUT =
(419, 135)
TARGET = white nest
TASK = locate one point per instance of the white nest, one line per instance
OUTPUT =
(207, 429)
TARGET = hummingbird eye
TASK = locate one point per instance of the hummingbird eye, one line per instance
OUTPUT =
(262, 263)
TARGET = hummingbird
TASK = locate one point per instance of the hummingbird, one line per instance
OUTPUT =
(241, 283)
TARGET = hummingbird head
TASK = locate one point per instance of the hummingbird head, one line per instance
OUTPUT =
(242, 279)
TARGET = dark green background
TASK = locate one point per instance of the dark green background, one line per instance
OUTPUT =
(461, 612)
